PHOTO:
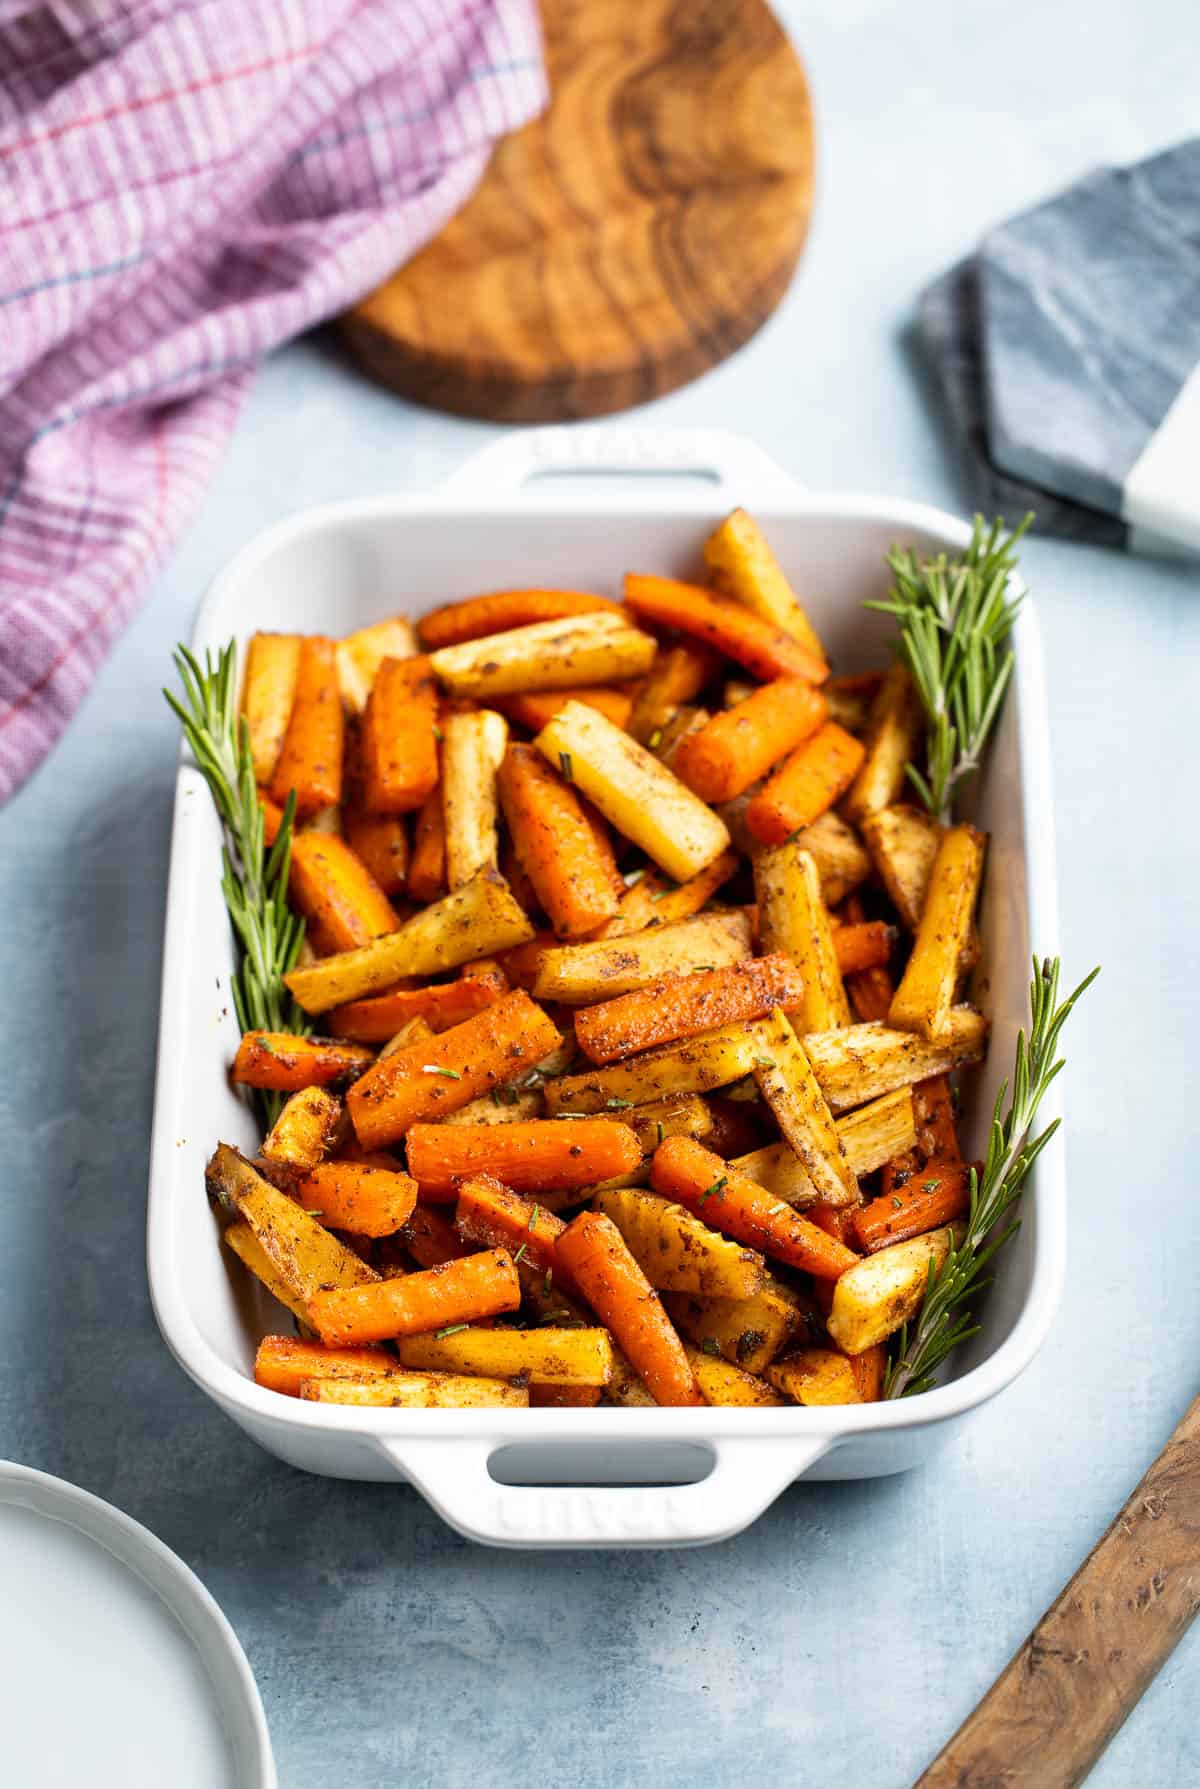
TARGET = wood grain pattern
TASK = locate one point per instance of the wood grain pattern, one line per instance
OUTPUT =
(1058, 1702)
(629, 239)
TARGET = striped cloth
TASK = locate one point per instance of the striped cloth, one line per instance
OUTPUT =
(184, 184)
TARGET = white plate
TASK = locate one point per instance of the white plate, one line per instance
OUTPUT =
(530, 509)
(119, 1671)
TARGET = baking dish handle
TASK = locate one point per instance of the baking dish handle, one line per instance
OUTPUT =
(746, 1477)
(505, 467)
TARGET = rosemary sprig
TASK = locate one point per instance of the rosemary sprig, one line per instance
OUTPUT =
(955, 616)
(253, 880)
(944, 1320)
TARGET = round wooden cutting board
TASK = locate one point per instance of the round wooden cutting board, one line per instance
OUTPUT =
(626, 241)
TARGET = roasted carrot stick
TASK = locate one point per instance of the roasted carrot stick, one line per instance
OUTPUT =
(654, 900)
(528, 1156)
(741, 744)
(427, 870)
(863, 946)
(836, 1221)
(336, 893)
(459, 1291)
(561, 845)
(277, 1060)
(495, 613)
(353, 1196)
(869, 1369)
(684, 1005)
(443, 1005)
(933, 1111)
(380, 841)
(535, 709)
(431, 1238)
(399, 739)
(522, 963)
(739, 1207)
(283, 1363)
(806, 786)
(937, 1194)
(678, 674)
(870, 990)
(492, 1214)
(425, 1081)
(268, 693)
(563, 1397)
(310, 761)
(595, 1254)
(764, 649)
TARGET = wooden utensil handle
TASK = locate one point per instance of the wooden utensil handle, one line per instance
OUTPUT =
(1058, 1702)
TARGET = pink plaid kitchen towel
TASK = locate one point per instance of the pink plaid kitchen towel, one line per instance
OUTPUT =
(184, 184)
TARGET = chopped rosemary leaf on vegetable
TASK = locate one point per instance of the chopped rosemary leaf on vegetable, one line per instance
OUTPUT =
(451, 1329)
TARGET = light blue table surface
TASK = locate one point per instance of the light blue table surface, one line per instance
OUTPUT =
(842, 1639)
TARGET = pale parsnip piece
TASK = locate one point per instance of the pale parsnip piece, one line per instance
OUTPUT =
(748, 1332)
(816, 1376)
(420, 1391)
(742, 565)
(736, 690)
(864, 1061)
(626, 1386)
(578, 974)
(641, 798)
(879, 1293)
(875, 1134)
(903, 843)
(786, 1081)
(727, 1385)
(683, 723)
(504, 1105)
(893, 741)
(360, 655)
(413, 1031)
(327, 820)
(302, 1252)
(545, 1356)
(472, 747)
(240, 1238)
(476, 920)
(683, 1115)
(923, 1000)
(268, 691)
(676, 1251)
(793, 918)
(547, 655)
(693, 1065)
(306, 1130)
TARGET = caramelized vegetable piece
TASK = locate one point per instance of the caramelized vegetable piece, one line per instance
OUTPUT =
(934, 1196)
(268, 692)
(425, 1081)
(369, 1201)
(545, 1356)
(595, 1255)
(285, 1063)
(882, 1291)
(473, 746)
(685, 1005)
(786, 1081)
(301, 1251)
(650, 899)
(893, 741)
(804, 787)
(734, 749)
(741, 563)
(540, 1154)
(864, 1061)
(793, 919)
(925, 996)
(747, 1332)
(728, 1385)
(310, 759)
(588, 649)
(441, 1005)
(560, 844)
(678, 674)
(420, 1391)
(336, 893)
(579, 973)
(676, 1251)
(283, 1363)
(502, 610)
(765, 649)
(817, 1376)
(482, 1285)
(493, 1215)
(306, 1130)
(399, 739)
(692, 1065)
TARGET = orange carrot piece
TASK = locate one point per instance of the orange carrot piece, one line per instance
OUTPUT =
(870, 991)
(399, 739)
(736, 747)
(595, 1254)
(736, 1205)
(560, 844)
(654, 900)
(431, 1238)
(563, 1397)
(869, 1369)
(495, 613)
(863, 946)
(277, 1060)
(354, 1196)
(535, 709)
(806, 786)
(933, 1110)
(380, 841)
(522, 962)
(445, 1004)
(493, 1215)
(311, 759)
(936, 1195)
(765, 650)
(283, 1363)
(461, 1291)
(684, 1005)
(527, 1156)
(426, 1081)
(336, 892)
(836, 1221)
(427, 870)
(272, 815)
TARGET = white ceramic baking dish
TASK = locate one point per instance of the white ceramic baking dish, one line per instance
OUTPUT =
(543, 507)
